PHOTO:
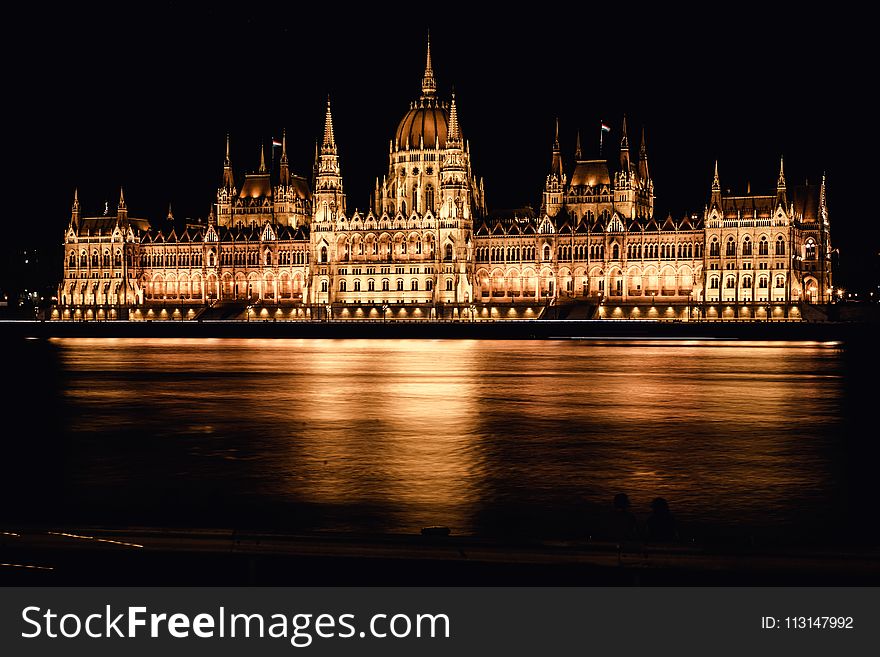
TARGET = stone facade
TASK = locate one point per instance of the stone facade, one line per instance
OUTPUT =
(428, 247)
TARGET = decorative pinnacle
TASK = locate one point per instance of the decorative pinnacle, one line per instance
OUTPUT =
(716, 183)
(284, 144)
(454, 129)
(226, 163)
(781, 183)
(262, 159)
(577, 147)
(429, 86)
(329, 139)
(556, 138)
(624, 137)
(76, 196)
(643, 148)
(121, 198)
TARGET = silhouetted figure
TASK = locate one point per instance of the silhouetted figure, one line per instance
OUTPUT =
(623, 523)
(660, 525)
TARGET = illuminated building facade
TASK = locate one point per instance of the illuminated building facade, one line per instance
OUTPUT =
(427, 247)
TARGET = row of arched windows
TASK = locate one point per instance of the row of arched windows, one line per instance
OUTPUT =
(730, 248)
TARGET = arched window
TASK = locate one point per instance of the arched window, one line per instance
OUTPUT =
(449, 285)
(546, 252)
(414, 285)
(810, 250)
(747, 246)
(323, 286)
(357, 285)
(780, 281)
(342, 286)
(747, 282)
(714, 248)
(780, 246)
(415, 198)
(448, 256)
(323, 254)
(731, 247)
(268, 260)
(762, 282)
(400, 284)
(763, 246)
(71, 260)
(615, 252)
(403, 246)
(713, 283)
(371, 285)
(429, 285)
(429, 198)
(386, 285)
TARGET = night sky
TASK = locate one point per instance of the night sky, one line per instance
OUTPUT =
(144, 97)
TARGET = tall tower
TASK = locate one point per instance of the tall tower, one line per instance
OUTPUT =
(329, 199)
(227, 191)
(554, 187)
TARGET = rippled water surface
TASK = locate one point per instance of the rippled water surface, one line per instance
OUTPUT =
(486, 437)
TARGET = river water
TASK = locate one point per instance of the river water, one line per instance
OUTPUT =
(746, 441)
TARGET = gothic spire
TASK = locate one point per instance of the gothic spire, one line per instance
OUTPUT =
(556, 163)
(644, 172)
(716, 183)
(170, 216)
(262, 159)
(624, 148)
(454, 128)
(228, 177)
(329, 144)
(577, 147)
(121, 205)
(781, 198)
(284, 173)
(75, 206)
(429, 86)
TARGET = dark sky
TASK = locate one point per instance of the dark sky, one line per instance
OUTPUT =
(143, 98)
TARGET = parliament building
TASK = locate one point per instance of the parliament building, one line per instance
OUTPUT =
(278, 246)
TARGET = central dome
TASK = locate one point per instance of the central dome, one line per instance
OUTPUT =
(425, 120)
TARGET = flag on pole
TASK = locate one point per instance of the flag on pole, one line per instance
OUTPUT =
(605, 128)
(275, 143)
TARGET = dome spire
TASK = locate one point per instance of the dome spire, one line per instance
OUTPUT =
(262, 159)
(429, 86)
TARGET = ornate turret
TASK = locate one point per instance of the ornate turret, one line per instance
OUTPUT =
(644, 172)
(75, 211)
(554, 187)
(329, 198)
(781, 199)
(284, 173)
(429, 86)
(715, 201)
(121, 210)
(624, 148)
(228, 177)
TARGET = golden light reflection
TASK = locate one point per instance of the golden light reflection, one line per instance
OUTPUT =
(444, 432)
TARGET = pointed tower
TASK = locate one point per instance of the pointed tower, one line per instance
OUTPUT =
(781, 197)
(121, 210)
(284, 173)
(624, 148)
(170, 216)
(577, 148)
(75, 213)
(329, 197)
(644, 172)
(262, 168)
(228, 177)
(429, 85)
(554, 187)
(715, 200)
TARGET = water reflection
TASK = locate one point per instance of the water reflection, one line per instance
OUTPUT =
(482, 436)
